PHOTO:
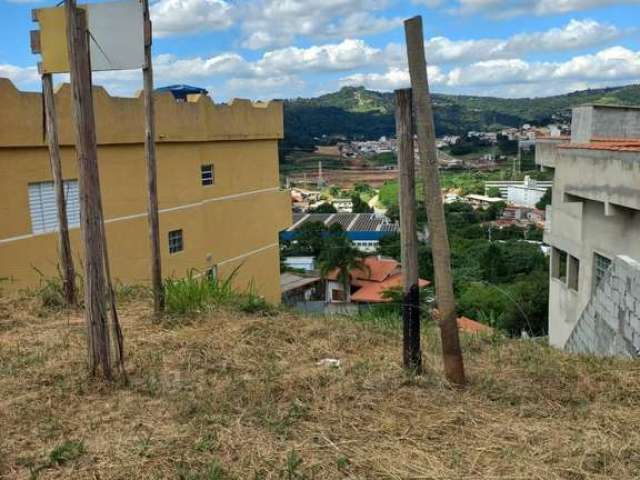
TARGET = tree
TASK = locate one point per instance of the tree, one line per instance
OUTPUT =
(545, 200)
(324, 208)
(310, 238)
(339, 254)
(359, 205)
(494, 192)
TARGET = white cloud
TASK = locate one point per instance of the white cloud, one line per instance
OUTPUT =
(277, 23)
(392, 79)
(347, 55)
(575, 35)
(613, 65)
(509, 8)
(20, 75)
(172, 17)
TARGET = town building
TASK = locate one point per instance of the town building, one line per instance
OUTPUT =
(368, 284)
(482, 201)
(593, 226)
(220, 204)
(364, 229)
(526, 194)
(503, 185)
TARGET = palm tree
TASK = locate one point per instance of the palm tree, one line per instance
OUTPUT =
(339, 254)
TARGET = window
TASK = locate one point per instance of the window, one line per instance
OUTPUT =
(175, 241)
(43, 208)
(601, 265)
(206, 175)
(559, 265)
(574, 273)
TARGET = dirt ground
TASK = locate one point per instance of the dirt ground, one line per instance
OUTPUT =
(231, 396)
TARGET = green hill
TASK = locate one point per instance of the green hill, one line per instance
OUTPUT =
(358, 113)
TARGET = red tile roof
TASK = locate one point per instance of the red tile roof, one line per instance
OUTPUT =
(610, 144)
(471, 326)
(373, 292)
(376, 270)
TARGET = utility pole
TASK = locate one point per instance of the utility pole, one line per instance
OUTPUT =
(320, 175)
(91, 215)
(64, 245)
(411, 354)
(451, 351)
(152, 174)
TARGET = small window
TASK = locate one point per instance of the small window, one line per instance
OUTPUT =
(176, 243)
(43, 206)
(559, 265)
(206, 174)
(601, 265)
(574, 273)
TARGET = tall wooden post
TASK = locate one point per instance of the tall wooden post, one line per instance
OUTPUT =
(451, 351)
(152, 175)
(411, 354)
(64, 245)
(91, 216)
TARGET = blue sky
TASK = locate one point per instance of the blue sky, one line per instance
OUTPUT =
(263, 49)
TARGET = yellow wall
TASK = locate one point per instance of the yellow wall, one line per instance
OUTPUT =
(235, 221)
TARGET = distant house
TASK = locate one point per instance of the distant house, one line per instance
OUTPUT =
(367, 285)
(298, 289)
(306, 263)
(482, 201)
(527, 194)
(343, 205)
(364, 229)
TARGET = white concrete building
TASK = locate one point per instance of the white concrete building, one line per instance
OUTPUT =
(526, 194)
(593, 226)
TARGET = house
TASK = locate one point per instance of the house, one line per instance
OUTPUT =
(304, 263)
(503, 185)
(482, 201)
(300, 289)
(342, 205)
(220, 204)
(593, 226)
(368, 284)
(365, 230)
(526, 194)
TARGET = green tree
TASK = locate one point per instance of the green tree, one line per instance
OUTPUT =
(359, 205)
(494, 192)
(310, 238)
(338, 253)
(324, 208)
(545, 200)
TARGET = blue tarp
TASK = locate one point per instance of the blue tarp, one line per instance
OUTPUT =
(180, 92)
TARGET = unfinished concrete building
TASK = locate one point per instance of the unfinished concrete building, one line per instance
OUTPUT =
(593, 226)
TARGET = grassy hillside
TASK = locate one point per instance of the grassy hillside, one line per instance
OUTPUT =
(231, 396)
(354, 112)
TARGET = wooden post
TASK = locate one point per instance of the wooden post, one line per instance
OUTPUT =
(451, 351)
(64, 245)
(411, 354)
(91, 216)
(152, 175)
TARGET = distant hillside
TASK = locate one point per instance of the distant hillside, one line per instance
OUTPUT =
(358, 113)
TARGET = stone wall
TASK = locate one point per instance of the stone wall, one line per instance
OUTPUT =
(610, 324)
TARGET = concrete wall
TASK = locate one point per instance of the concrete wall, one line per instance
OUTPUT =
(234, 222)
(610, 324)
(546, 151)
(600, 121)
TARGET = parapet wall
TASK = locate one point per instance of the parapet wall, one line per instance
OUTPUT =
(121, 120)
(610, 324)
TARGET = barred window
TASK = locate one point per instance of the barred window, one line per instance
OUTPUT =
(206, 174)
(176, 243)
(601, 265)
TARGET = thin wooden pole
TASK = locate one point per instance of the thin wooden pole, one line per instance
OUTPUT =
(451, 351)
(412, 356)
(152, 175)
(64, 245)
(96, 311)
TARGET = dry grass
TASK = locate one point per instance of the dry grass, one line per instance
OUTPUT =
(239, 397)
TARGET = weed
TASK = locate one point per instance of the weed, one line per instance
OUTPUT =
(127, 292)
(292, 469)
(342, 463)
(68, 451)
(213, 471)
(197, 293)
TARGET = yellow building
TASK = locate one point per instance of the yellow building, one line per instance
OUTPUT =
(219, 197)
